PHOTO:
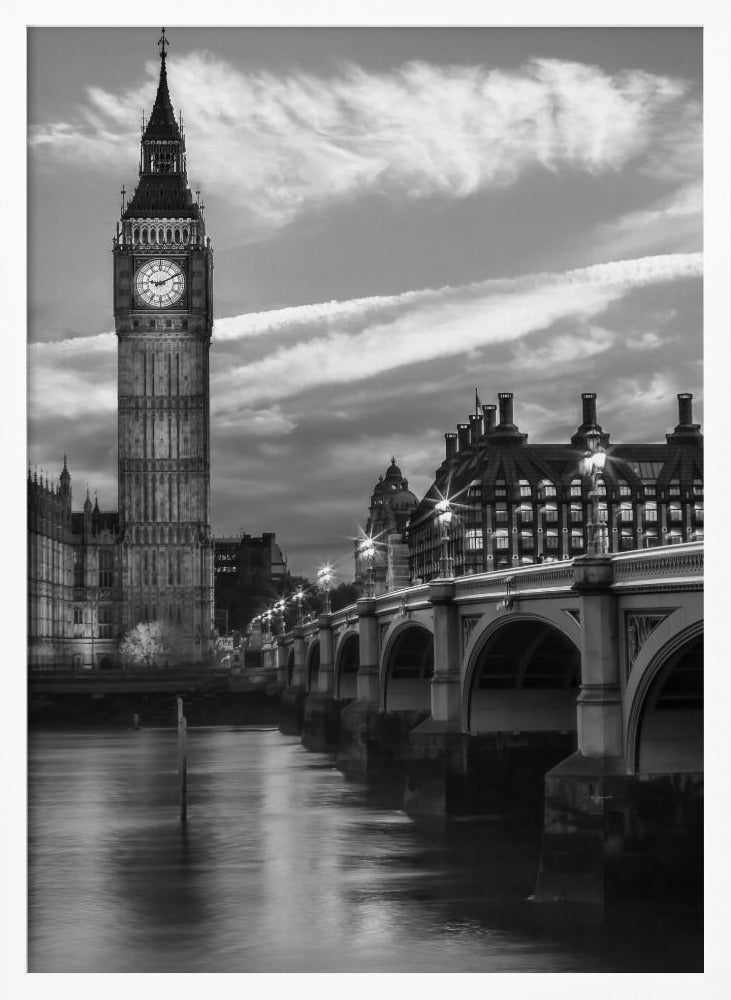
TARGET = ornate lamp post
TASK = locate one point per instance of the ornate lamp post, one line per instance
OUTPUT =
(444, 515)
(267, 617)
(324, 578)
(279, 615)
(367, 552)
(298, 598)
(591, 467)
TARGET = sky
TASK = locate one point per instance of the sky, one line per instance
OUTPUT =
(398, 216)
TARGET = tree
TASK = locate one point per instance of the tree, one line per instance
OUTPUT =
(150, 644)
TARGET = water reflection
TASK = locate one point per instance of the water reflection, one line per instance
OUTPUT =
(283, 866)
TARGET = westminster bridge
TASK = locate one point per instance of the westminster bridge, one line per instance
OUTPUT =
(573, 689)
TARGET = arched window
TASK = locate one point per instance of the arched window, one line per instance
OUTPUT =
(169, 236)
(185, 236)
(136, 236)
(144, 236)
(153, 236)
(177, 236)
(161, 235)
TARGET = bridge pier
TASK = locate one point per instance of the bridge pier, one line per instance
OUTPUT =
(321, 712)
(610, 836)
(292, 710)
(608, 833)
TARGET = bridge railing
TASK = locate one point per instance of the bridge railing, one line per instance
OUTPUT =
(667, 564)
(664, 564)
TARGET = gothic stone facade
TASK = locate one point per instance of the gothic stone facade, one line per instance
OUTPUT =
(74, 597)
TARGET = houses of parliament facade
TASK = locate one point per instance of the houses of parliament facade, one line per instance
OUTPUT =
(93, 575)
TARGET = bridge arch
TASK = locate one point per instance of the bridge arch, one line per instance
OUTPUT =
(522, 674)
(407, 667)
(312, 665)
(665, 719)
(347, 662)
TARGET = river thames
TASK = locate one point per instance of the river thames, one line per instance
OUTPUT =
(284, 866)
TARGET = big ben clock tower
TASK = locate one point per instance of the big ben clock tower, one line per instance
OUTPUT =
(163, 311)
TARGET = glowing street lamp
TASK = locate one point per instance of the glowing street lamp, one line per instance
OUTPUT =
(444, 514)
(324, 578)
(591, 466)
(367, 552)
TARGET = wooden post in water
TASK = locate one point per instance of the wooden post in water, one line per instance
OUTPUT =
(183, 761)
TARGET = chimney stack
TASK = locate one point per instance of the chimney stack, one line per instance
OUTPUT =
(488, 413)
(505, 402)
(685, 409)
(475, 427)
(450, 442)
(588, 404)
(463, 436)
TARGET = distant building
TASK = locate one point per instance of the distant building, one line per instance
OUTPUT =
(247, 573)
(392, 504)
(518, 503)
(74, 597)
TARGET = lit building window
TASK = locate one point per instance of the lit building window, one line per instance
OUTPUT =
(697, 487)
(551, 539)
(575, 488)
(675, 512)
(674, 489)
(525, 490)
(577, 538)
(474, 538)
(526, 539)
(650, 540)
(673, 538)
(546, 488)
(577, 514)
(698, 513)
(625, 512)
(626, 539)
(550, 513)
(526, 513)
(501, 513)
(501, 540)
(650, 511)
(625, 490)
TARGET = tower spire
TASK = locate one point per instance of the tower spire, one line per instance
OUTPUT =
(163, 43)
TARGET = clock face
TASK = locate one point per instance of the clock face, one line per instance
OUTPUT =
(160, 283)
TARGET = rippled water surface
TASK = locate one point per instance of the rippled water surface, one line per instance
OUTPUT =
(283, 866)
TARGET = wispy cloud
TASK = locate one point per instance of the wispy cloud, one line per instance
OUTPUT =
(335, 344)
(282, 145)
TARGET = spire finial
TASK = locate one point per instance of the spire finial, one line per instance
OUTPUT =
(163, 43)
